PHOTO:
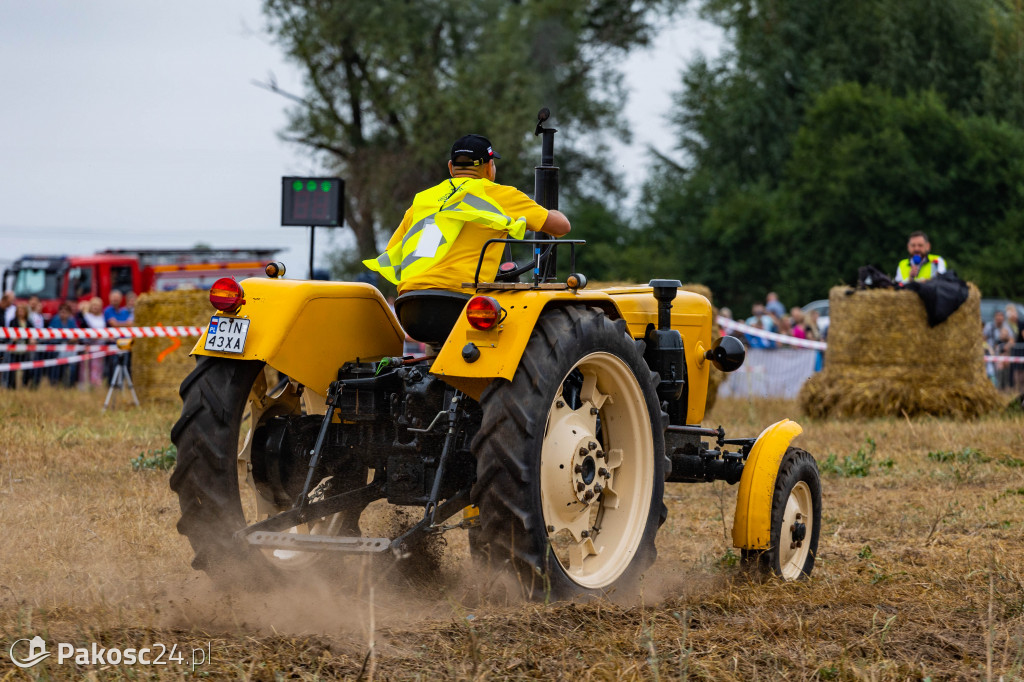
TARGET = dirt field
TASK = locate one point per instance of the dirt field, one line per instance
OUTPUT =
(920, 573)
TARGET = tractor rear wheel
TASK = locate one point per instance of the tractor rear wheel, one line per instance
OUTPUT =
(571, 460)
(224, 401)
(796, 519)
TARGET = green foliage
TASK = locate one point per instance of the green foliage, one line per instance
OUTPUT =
(729, 559)
(965, 456)
(856, 465)
(868, 168)
(390, 84)
(162, 459)
(829, 131)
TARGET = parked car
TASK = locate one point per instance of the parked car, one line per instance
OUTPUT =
(989, 306)
(821, 306)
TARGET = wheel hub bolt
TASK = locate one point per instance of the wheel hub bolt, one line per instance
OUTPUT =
(604, 473)
(580, 486)
(583, 452)
(551, 529)
(584, 533)
(592, 445)
(598, 489)
(594, 410)
(559, 403)
(799, 532)
(589, 495)
(578, 468)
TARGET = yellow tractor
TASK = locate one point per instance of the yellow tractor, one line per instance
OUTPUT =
(548, 415)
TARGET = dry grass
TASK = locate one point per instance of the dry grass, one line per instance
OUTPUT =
(919, 576)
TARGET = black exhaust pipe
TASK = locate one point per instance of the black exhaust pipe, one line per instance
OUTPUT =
(545, 191)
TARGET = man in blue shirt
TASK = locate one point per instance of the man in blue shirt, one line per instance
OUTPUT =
(116, 314)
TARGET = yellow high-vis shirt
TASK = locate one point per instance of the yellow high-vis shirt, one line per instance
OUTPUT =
(459, 264)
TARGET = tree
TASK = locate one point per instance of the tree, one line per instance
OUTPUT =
(390, 84)
(827, 131)
(868, 168)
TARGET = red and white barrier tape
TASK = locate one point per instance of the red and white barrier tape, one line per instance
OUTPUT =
(733, 325)
(48, 348)
(54, 362)
(107, 333)
(1014, 359)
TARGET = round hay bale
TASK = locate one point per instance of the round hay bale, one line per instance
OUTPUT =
(884, 360)
(158, 368)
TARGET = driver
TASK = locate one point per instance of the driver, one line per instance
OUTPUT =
(438, 243)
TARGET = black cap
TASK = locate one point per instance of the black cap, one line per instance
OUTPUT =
(476, 147)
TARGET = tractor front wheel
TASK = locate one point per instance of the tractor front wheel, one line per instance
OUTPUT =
(795, 519)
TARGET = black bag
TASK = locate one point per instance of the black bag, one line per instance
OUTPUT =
(942, 295)
(870, 277)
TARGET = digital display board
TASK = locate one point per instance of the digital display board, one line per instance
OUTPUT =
(312, 202)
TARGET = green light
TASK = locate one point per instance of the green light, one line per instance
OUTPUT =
(311, 185)
(325, 186)
(297, 185)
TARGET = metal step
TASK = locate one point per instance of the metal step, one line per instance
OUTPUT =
(299, 542)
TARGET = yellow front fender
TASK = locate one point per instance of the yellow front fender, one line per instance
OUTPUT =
(309, 329)
(752, 526)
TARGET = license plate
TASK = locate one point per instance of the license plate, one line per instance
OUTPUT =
(227, 334)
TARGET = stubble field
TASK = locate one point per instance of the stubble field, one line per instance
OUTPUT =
(920, 572)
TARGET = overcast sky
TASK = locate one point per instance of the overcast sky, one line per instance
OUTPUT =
(135, 124)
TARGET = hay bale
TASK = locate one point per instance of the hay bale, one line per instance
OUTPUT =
(884, 360)
(157, 375)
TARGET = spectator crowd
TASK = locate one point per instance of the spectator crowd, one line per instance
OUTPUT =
(1004, 336)
(771, 316)
(89, 314)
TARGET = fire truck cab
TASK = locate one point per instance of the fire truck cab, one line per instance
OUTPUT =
(55, 279)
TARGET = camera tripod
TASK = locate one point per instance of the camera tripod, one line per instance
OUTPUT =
(121, 378)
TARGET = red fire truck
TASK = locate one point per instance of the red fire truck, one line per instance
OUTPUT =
(55, 279)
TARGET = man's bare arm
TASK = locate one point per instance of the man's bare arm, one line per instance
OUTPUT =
(556, 225)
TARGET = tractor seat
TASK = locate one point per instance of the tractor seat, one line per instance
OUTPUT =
(428, 315)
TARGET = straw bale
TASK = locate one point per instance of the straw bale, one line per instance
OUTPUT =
(157, 380)
(884, 360)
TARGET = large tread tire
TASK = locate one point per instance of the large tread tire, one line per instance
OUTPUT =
(797, 485)
(509, 444)
(205, 477)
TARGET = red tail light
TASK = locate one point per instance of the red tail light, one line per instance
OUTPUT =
(226, 295)
(483, 312)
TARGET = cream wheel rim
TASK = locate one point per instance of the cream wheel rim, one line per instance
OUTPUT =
(597, 470)
(796, 532)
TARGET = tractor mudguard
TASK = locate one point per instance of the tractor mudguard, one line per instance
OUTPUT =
(501, 349)
(751, 528)
(308, 330)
